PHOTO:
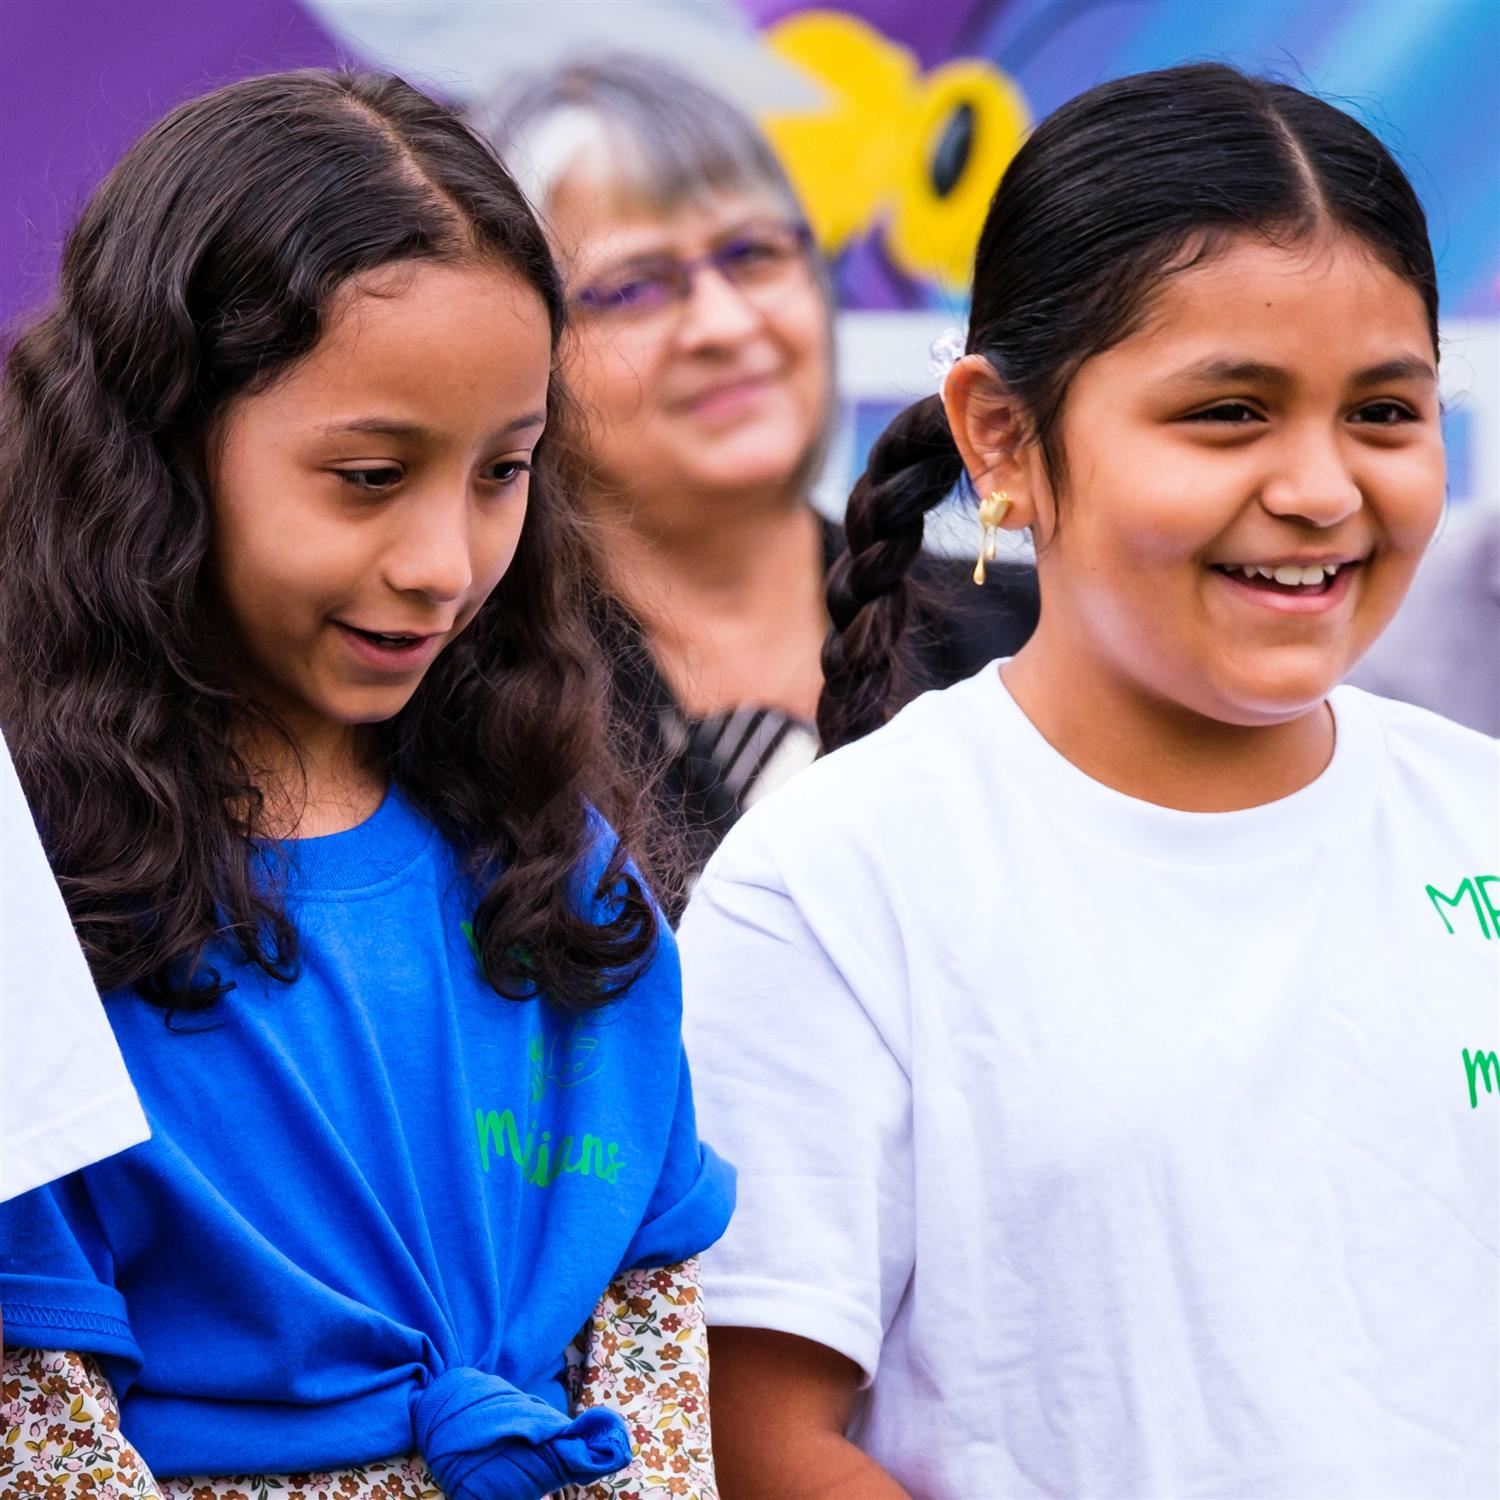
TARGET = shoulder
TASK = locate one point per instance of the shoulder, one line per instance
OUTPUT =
(861, 805)
(1439, 774)
(1421, 738)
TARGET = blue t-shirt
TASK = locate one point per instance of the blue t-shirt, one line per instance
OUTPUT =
(377, 1203)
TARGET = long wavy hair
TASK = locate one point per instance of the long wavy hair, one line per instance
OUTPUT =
(1123, 186)
(203, 269)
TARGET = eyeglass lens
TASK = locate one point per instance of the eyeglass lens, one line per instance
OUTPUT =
(754, 257)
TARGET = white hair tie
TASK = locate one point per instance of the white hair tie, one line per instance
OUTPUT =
(944, 352)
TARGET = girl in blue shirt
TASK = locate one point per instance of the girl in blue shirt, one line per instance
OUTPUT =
(295, 667)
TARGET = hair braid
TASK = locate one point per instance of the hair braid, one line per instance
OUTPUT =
(913, 466)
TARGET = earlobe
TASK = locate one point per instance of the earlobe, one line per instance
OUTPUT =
(1010, 485)
(988, 431)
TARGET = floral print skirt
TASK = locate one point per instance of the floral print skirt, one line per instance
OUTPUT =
(644, 1353)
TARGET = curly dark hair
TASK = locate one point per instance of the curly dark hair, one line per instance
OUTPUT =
(201, 270)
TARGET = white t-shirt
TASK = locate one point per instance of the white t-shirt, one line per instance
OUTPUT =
(1128, 1151)
(65, 1098)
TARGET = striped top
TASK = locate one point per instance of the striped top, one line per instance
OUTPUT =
(708, 771)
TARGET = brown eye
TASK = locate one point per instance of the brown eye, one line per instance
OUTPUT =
(371, 480)
(507, 471)
(1385, 414)
(1230, 413)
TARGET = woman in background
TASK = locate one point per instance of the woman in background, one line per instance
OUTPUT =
(702, 350)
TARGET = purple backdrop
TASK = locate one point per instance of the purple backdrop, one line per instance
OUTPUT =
(80, 80)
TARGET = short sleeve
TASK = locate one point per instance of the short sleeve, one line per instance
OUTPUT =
(800, 1088)
(693, 1194)
(56, 1275)
(693, 1198)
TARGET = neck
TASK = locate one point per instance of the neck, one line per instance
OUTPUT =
(1156, 750)
(729, 589)
(722, 552)
(323, 780)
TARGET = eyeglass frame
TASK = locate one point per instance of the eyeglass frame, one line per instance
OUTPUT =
(685, 273)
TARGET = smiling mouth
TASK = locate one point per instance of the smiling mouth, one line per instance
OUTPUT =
(732, 390)
(392, 641)
(1293, 579)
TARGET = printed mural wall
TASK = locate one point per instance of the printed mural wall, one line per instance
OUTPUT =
(895, 118)
(925, 104)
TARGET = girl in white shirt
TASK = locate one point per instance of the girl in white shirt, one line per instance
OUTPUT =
(1108, 1043)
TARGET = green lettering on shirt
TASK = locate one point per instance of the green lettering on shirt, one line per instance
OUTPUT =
(1477, 890)
(1484, 1065)
(543, 1161)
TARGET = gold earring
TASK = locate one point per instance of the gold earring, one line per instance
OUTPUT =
(991, 514)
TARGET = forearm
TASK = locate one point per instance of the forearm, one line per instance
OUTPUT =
(801, 1464)
(781, 1406)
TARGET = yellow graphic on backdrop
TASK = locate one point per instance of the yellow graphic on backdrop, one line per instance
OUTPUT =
(918, 154)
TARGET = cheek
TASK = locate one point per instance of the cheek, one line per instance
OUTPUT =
(616, 385)
(278, 564)
(250, 570)
(1406, 493)
(1128, 532)
(801, 332)
(801, 327)
(496, 545)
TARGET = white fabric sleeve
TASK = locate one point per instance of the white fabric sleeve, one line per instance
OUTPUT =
(796, 1085)
(65, 1098)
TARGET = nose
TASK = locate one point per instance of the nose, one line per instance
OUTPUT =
(1314, 483)
(716, 311)
(431, 549)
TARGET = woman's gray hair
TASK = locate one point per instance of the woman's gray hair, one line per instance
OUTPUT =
(663, 137)
(660, 139)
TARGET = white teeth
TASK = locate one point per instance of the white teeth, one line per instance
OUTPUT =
(1290, 575)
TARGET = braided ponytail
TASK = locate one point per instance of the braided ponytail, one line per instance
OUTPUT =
(913, 467)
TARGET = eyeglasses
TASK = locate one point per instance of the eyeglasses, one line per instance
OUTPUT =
(754, 261)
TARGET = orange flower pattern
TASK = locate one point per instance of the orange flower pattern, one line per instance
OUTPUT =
(644, 1353)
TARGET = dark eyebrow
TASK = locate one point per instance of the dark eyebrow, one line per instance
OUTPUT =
(1231, 372)
(415, 432)
(1405, 367)
(523, 424)
(1253, 372)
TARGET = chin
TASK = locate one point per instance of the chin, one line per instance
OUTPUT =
(746, 467)
(1274, 686)
(1273, 701)
(360, 710)
(751, 455)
